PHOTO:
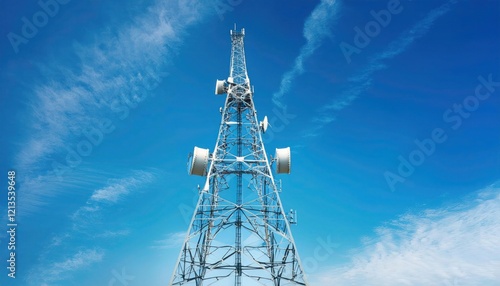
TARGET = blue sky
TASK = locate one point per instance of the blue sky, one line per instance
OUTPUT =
(394, 129)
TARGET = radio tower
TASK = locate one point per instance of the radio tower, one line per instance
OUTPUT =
(239, 233)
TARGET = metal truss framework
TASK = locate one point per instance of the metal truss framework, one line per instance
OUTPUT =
(239, 233)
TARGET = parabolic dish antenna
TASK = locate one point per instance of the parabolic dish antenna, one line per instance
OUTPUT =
(198, 162)
(283, 160)
(220, 88)
(264, 124)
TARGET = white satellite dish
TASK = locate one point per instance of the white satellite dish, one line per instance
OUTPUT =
(283, 160)
(220, 88)
(199, 162)
(264, 124)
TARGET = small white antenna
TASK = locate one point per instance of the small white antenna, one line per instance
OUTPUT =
(263, 124)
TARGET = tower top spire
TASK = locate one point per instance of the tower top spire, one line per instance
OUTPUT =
(242, 32)
(238, 67)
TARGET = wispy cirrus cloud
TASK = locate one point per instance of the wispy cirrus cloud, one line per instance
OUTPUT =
(87, 226)
(173, 240)
(109, 195)
(358, 83)
(121, 187)
(89, 215)
(316, 28)
(454, 245)
(43, 188)
(49, 274)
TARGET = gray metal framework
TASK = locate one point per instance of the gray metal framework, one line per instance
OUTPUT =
(239, 233)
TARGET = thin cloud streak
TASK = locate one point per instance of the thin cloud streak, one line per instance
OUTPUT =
(119, 188)
(86, 225)
(455, 245)
(113, 234)
(362, 81)
(44, 188)
(89, 214)
(316, 29)
(173, 240)
(57, 271)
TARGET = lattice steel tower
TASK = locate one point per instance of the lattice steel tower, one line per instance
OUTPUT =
(239, 233)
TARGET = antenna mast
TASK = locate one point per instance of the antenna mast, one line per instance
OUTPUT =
(239, 233)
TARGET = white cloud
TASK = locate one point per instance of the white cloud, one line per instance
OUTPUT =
(79, 260)
(173, 240)
(316, 29)
(111, 193)
(119, 188)
(61, 270)
(89, 215)
(360, 82)
(457, 245)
